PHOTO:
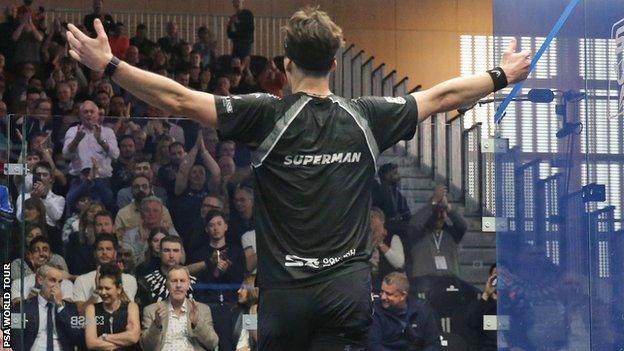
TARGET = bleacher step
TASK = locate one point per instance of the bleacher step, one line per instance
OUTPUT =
(468, 256)
(478, 239)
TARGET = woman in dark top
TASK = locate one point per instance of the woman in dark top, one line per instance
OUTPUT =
(152, 254)
(112, 324)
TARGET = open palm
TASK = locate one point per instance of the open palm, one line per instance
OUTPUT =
(94, 53)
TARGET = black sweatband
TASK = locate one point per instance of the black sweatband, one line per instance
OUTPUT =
(111, 67)
(498, 77)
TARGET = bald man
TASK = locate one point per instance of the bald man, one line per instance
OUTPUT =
(90, 141)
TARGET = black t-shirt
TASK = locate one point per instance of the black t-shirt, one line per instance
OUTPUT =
(314, 163)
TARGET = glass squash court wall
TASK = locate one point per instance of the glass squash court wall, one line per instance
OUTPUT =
(559, 201)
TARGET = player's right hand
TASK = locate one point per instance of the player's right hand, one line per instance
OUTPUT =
(95, 53)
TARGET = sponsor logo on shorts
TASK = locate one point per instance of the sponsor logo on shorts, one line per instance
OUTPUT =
(323, 159)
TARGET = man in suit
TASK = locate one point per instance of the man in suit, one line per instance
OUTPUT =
(178, 321)
(51, 324)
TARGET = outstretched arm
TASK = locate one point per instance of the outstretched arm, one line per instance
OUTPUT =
(457, 92)
(152, 88)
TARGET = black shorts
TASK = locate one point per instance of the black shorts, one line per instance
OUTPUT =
(333, 315)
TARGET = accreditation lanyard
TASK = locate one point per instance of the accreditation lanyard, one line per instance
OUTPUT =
(437, 239)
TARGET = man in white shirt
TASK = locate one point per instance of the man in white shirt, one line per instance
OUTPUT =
(178, 323)
(90, 140)
(50, 322)
(85, 292)
(42, 188)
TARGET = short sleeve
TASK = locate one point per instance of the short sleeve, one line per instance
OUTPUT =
(243, 118)
(391, 118)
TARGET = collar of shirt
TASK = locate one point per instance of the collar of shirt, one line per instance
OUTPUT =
(42, 301)
(183, 309)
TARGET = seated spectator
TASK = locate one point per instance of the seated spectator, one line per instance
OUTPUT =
(141, 168)
(129, 216)
(33, 157)
(85, 292)
(90, 140)
(19, 85)
(242, 219)
(204, 80)
(80, 244)
(167, 173)
(151, 216)
(152, 254)
(50, 318)
(72, 224)
(484, 340)
(144, 45)
(159, 127)
(387, 196)
(64, 103)
(54, 204)
(132, 56)
(387, 253)
(89, 183)
(161, 154)
(270, 79)
(112, 323)
(31, 288)
(248, 301)
(123, 166)
(36, 255)
(217, 262)
(222, 86)
(170, 43)
(198, 235)
(435, 235)
(119, 41)
(178, 320)
(41, 143)
(98, 12)
(34, 213)
(205, 46)
(153, 287)
(248, 241)
(401, 322)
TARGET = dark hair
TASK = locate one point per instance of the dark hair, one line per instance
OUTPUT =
(104, 213)
(31, 226)
(171, 239)
(141, 26)
(385, 169)
(43, 164)
(492, 268)
(212, 214)
(311, 40)
(125, 136)
(106, 237)
(176, 143)
(35, 241)
(112, 271)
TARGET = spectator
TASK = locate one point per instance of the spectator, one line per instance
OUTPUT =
(401, 322)
(132, 56)
(71, 70)
(123, 166)
(248, 301)
(119, 41)
(387, 253)
(90, 140)
(152, 254)
(193, 183)
(204, 81)
(19, 86)
(119, 328)
(80, 245)
(271, 80)
(34, 212)
(218, 262)
(248, 242)
(27, 38)
(158, 128)
(141, 168)
(31, 288)
(151, 217)
(153, 287)
(240, 30)
(89, 183)
(170, 43)
(242, 218)
(205, 46)
(129, 216)
(98, 12)
(48, 311)
(161, 153)
(182, 75)
(484, 340)
(145, 46)
(85, 292)
(161, 61)
(208, 203)
(387, 196)
(167, 173)
(7, 46)
(222, 87)
(72, 224)
(41, 142)
(435, 235)
(38, 253)
(179, 321)
(54, 204)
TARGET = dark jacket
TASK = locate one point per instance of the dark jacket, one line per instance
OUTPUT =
(70, 334)
(416, 328)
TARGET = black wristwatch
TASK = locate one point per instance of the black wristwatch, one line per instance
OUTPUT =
(111, 67)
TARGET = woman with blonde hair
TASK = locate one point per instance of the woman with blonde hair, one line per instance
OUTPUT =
(113, 323)
(248, 302)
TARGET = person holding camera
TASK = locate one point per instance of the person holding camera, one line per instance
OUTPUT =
(484, 338)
